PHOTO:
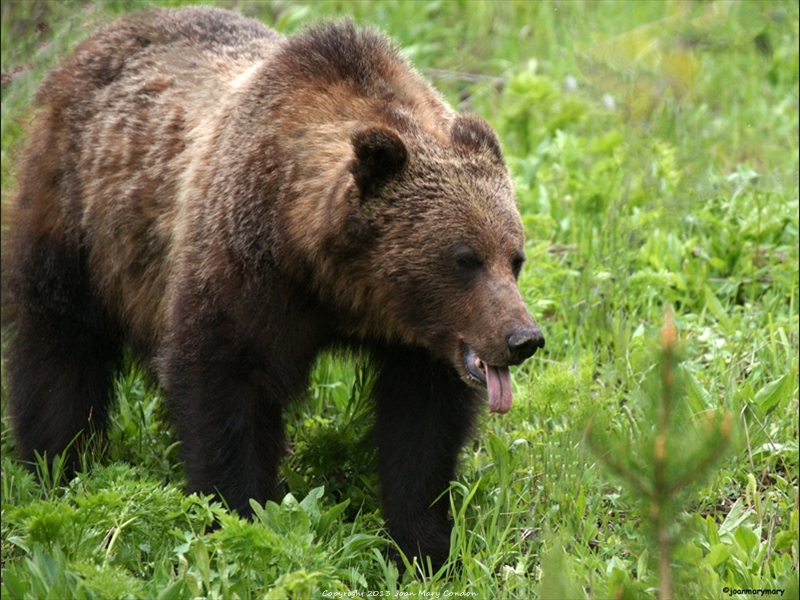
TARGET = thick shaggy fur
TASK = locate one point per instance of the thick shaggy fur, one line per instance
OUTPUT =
(228, 203)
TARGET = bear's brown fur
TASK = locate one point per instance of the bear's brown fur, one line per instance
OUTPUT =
(228, 202)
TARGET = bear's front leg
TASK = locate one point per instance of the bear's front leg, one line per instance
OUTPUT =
(231, 434)
(228, 369)
(425, 414)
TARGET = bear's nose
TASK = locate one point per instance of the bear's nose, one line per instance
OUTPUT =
(523, 343)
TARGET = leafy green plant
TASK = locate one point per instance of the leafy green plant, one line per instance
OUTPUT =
(666, 457)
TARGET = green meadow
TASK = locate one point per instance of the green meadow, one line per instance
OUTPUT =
(652, 449)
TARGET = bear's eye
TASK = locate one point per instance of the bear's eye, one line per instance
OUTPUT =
(469, 260)
(466, 261)
(516, 264)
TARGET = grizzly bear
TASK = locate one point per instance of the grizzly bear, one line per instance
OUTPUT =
(227, 202)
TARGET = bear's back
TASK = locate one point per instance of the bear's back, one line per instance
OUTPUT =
(180, 42)
(212, 27)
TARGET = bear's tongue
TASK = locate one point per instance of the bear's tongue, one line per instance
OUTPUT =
(498, 383)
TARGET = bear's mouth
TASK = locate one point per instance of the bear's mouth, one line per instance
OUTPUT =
(496, 379)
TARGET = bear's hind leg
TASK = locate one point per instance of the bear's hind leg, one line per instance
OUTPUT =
(424, 416)
(62, 355)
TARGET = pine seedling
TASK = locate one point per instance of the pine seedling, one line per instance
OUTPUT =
(659, 461)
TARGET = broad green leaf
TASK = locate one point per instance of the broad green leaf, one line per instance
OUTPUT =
(699, 398)
(784, 540)
(310, 504)
(202, 561)
(716, 308)
(719, 554)
(771, 394)
(641, 564)
(712, 533)
(499, 454)
(329, 517)
(354, 544)
(13, 585)
(738, 514)
(746, 539)
(174, 591)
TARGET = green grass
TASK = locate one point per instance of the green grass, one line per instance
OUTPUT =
(655, 150)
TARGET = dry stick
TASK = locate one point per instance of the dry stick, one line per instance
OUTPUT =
(461, 76)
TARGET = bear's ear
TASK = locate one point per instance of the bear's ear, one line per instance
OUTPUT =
(380, 155)
(473, 133)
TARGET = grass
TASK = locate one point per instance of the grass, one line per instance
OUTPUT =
(655, 150)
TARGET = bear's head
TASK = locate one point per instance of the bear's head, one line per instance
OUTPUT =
(424, 245)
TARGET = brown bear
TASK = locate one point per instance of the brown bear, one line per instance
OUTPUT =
(228, 202)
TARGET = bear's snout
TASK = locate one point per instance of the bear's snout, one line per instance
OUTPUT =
(523, 342)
